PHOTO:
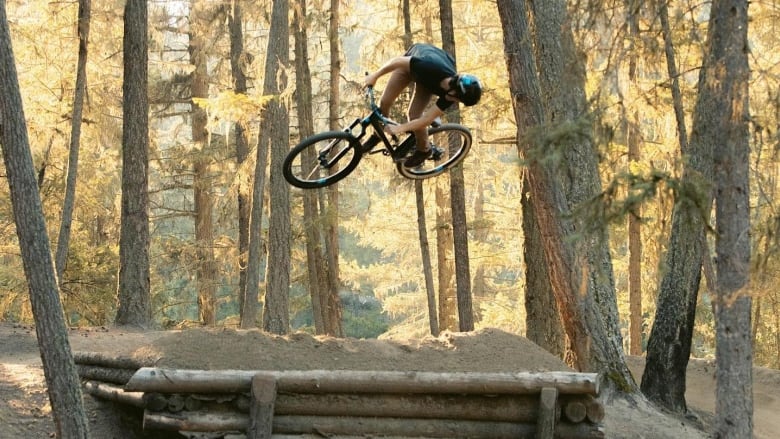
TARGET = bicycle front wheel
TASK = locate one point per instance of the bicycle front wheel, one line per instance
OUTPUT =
(450, 142)
(322, 159)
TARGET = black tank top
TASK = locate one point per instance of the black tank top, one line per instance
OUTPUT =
(428, 66)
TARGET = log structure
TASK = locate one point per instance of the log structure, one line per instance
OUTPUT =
(351, 404)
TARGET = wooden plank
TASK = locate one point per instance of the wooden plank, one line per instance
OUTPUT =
(149, 379)
(548, 405)
(261, 408)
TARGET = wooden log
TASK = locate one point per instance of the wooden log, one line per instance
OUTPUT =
(175, 403)
(149, 379)
(104, 374)
(361, 426)
(108, 360)
(328, 426)
(196, 421)
(155, 401)
(114, 393)
(574, 411)
(548, 406)
(594, 411)
(262, 407)
(504, 408)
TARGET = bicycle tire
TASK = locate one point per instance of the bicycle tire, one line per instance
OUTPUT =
(306, 165)
(453, 142)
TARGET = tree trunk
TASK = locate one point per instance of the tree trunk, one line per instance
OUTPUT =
(275, 131)
(62, 381)
(63, 242)
(728, 62)
(562, 80)
(135, 306)
(237, 65)
(333, 325)
(448, 305)
(633, 136)
(315, 260)
(589, 315)
(458, 198)
(205, 266)
(669, 345)
(543, 322)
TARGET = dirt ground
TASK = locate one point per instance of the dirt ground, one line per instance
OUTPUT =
(25, 412)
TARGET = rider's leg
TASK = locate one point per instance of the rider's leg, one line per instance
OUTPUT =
(396, 84)
(420, 101)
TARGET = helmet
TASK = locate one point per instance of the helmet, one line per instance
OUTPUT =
(467, 88)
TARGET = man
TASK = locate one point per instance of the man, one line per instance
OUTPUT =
(433, 73)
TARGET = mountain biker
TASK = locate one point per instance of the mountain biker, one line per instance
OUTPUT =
(433, 72)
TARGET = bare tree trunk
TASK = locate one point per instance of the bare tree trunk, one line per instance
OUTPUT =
(580, 275)
(669, 344)
(204, 246)
(333, 325)
(62, 380)
(458, 198)
(448, 304)
(543, 322)
(135, 307)
(276, 127)
(633, 136)
(63, 242)
(237, 64)
(728, 62)
(315, 260)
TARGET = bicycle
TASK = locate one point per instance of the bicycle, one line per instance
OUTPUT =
(326, 158)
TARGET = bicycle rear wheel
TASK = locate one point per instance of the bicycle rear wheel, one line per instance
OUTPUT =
(451, 143)
(322, 159)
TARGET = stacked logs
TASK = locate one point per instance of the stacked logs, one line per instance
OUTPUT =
(354, 403)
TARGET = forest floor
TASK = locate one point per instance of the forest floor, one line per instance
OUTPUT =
(25, 412)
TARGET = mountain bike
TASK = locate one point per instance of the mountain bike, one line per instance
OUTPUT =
(325, 158)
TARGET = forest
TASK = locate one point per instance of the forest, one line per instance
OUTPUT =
(620, 191)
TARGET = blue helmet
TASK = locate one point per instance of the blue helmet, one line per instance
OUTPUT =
(467, 88)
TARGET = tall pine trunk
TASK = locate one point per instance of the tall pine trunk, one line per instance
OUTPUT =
(135, 303)
(734, 352)
(62, 381)
(275, 132)
(63, 242)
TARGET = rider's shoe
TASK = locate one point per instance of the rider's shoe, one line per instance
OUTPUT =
(418, 158)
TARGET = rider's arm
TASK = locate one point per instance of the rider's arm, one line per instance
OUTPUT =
(401, 62)
(423, 121)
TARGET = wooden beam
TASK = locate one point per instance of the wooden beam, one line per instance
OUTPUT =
(548, 407)
(150, 379)
(262, 407)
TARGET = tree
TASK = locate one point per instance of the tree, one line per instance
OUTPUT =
(275, 135)
(333, 324)
(62, 381)
(75, 138)
(458, 199)
(237, 66)
(728, 73)
(315, 261)
(201, 18)
(580, 270)
(134, 289)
